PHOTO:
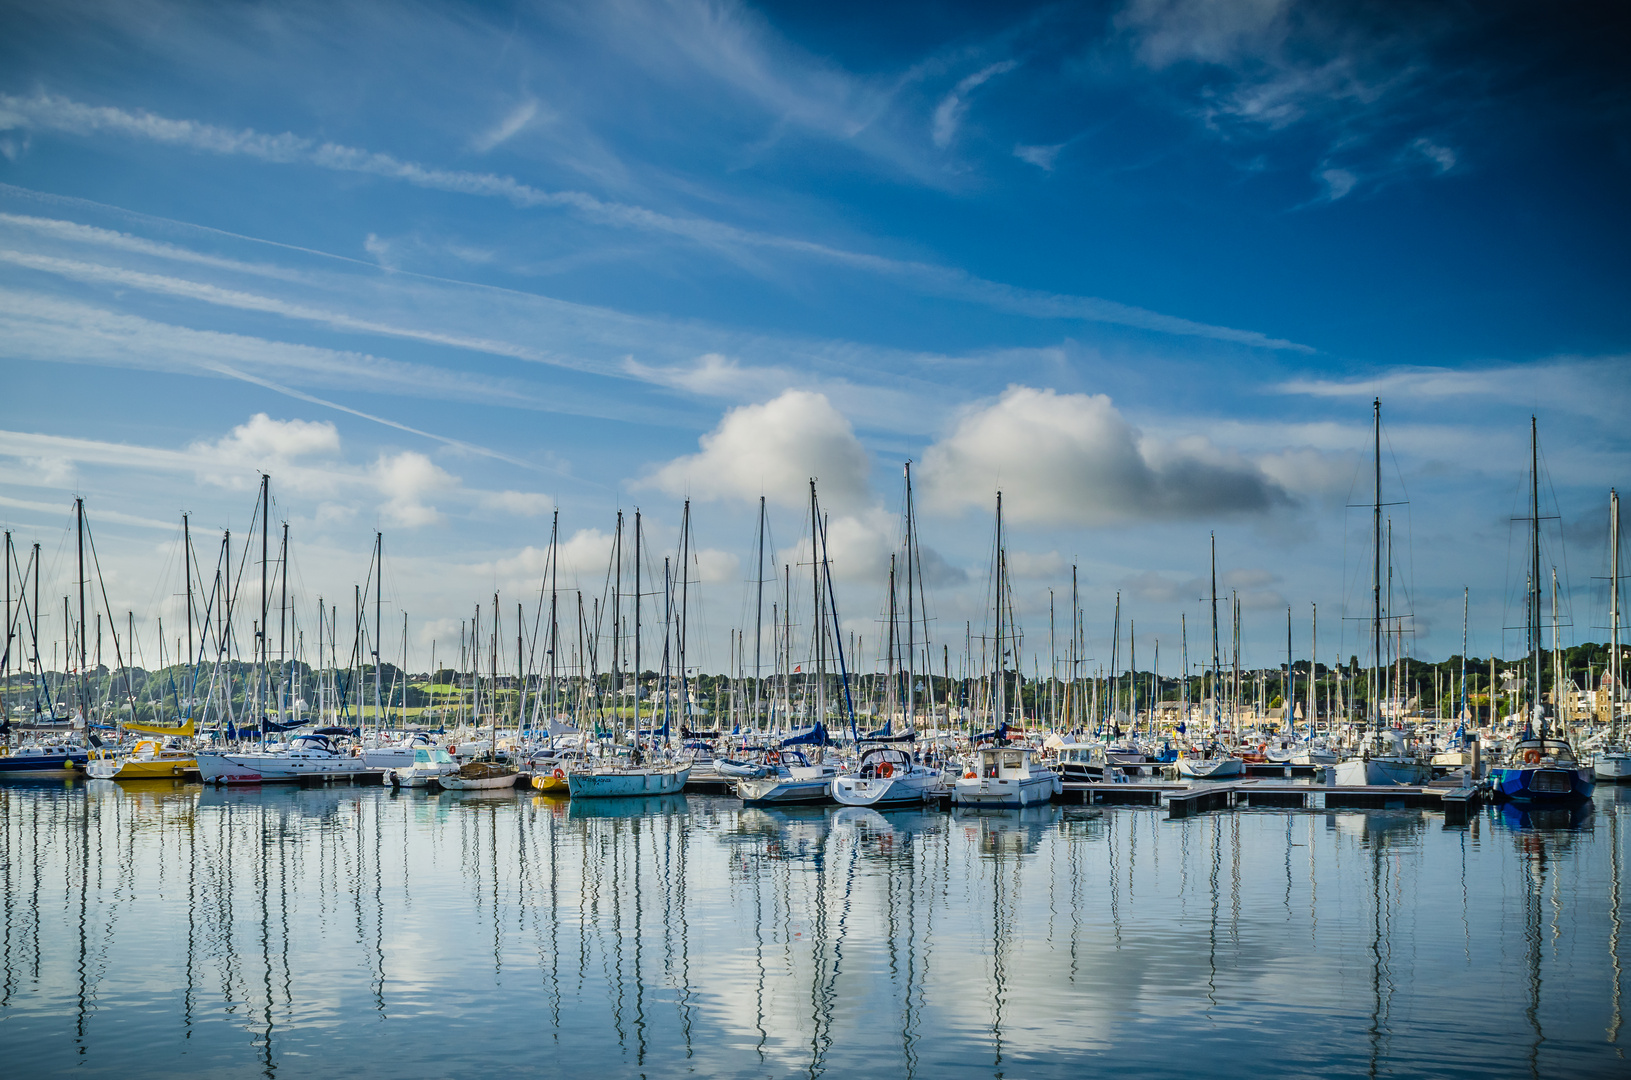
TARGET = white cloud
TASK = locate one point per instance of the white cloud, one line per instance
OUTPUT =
(263, 439)
(948, 115)
(774, 449)
(858, 546)
(714, 566)
(1073, 459)
(1043, 157)
(1442, 157)
(1205, 31)
(406, 479)
(517, 119)
(1338, 182)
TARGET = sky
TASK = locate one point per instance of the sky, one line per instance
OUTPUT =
(440, 270)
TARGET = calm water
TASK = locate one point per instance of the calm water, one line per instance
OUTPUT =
(179, 930)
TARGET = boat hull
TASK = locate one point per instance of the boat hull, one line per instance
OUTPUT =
(550, 782)
(156, 769)
(1003, 793)
(276, 768)
(632, 783)
(452, 782)
(912, 790)
(1541, 783)
(1613, 766)
(47, 766)
(785, 791)
(1211, 768)
(1382, 772)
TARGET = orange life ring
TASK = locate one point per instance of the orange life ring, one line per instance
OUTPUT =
(971, 775)
(452, 749)
(886, 770)
(1531, 757)
(560, 774)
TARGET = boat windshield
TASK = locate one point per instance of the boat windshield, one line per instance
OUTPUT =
(434, 755)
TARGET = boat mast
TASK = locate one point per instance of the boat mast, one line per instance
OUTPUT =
(1376, 577)
(617, 617)
(84, 694)
(1115, 665)
(1313, 670)
(1291, 679)
(1216, 666)
(1000, 700)
(683, 630)
(637, 626)
(1183, 656)
(379, 592)
(492, 742)
(1614, 615)
(1534, 574)
(820, 612)
(1557, 664)
(758, 618)
(554, 617)
(911, 610)
(1462, 710)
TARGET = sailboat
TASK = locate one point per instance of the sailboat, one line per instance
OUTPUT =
(630, 774)
(1613, 761)
(489, 774)
(60, 756)
(1000, 776)
(1385, 758)
(1541, 768)
(792, 778)
(1217, 763)
(889, 775)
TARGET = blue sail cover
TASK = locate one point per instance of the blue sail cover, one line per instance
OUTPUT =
(1000, 735)
(816, 736)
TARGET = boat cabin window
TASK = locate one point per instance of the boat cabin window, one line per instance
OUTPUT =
(1012, 761)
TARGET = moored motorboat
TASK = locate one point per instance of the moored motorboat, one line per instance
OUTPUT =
(148, 760)
(1215, 765)
(1542, 770)
(1001, 777)
(430, 764)
(43, 761)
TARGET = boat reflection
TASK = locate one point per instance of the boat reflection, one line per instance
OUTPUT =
(1006, 832)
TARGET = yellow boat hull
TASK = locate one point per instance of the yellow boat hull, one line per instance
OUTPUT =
(549, 782)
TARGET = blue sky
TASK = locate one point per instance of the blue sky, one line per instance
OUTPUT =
(439, 269)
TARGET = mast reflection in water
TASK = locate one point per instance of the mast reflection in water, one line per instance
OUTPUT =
(176, 931)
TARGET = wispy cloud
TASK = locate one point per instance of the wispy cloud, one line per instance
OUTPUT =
(948, 115)
(507, 128)
(61, 114)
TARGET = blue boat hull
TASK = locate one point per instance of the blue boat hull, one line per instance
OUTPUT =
(41, 766)
(1541, 783)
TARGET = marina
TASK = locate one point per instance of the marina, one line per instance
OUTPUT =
(714, 538)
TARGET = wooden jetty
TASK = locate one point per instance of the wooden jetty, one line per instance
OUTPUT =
(1184, 801)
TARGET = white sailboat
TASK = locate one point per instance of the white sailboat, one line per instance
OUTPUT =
(1216, 763)
(1385, 758)
(1001, 776)
(888, 776)
(1613, 760)
(304, 757)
